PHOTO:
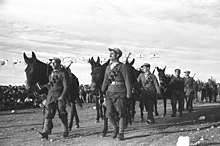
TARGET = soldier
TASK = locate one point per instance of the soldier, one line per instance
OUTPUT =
(150, 87)
(117, 86)
(189, 86)
(56, 99)
(177, 92)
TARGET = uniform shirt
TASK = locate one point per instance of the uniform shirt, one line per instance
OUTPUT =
(122, 77)
(177, 83)
(189, 83)
(58, 87)
(149, 83)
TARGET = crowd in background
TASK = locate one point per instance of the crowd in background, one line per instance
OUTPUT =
(16, 97)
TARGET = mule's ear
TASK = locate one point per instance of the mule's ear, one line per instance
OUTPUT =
(34, 56)
(98, 61)
(26, 59)
(106, 64)
(153, 71)
(92, 61)
(132, 62)
(164, 69)
(157, 69)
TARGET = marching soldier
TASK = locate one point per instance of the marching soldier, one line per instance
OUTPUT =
(56, 99)
(189, 86)
(177, 92)
(150, 88)
(117, 86)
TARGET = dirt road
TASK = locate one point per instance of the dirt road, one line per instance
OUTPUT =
(21, 129)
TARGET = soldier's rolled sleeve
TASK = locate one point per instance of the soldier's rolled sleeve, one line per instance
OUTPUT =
(127, 79)
(65, 86)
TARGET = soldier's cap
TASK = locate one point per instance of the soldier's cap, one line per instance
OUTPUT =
(187, 71)
(145, 64)
(57, 60)
(116, 50)
(177, 70)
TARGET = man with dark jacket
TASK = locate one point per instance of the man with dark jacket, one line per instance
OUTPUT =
(57, 93)
(117, 85)
(177, 92)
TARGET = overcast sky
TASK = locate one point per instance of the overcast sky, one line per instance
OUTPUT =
(185, 33)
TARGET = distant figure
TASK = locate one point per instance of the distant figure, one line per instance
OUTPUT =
(117, 85)
(177, 92)
(218, 90)
(189, 86)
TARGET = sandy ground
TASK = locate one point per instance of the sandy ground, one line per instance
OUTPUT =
(21, 128)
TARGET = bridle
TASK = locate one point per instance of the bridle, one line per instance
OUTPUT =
(33, 87)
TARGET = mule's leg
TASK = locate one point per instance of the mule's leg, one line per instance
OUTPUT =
(101, 111)
(155, 106)
(141, 105)
(76, 117)
(133, 110)
(164, 106)
(71, 116)
(105, 128)
(97, 108)
(128, 119)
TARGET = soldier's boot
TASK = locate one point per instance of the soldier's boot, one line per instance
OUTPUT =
(115, 128)
(150, 117)
(45, 131)
(65, 125)
(50, 127)
(120, 135)
(174, 111)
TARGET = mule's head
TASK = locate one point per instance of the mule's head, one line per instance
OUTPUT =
(161, 74)
(97, 73)
(132, 71)
(36, 71)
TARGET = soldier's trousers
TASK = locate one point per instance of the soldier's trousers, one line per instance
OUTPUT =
(177, 96)
(60, 107)
(116, 109)
(189, 103)
(149, 100)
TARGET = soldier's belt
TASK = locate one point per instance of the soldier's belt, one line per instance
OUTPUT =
(117, 83)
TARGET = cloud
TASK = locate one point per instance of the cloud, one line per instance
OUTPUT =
(185, 33)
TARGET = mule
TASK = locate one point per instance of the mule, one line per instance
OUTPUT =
(135, 93)
(164, 81)
(97, 73)
(38, 72)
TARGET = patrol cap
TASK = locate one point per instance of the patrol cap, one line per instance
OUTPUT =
(187, 71)
(57, 60)
(116, 50)
(177, 70)
(146, 64)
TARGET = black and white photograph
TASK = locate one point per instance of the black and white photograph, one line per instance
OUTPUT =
(109, 73)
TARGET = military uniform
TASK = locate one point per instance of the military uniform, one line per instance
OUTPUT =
(57, 88)
(150, 87)
(189, 85)
(177, 94)
(118, 88)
